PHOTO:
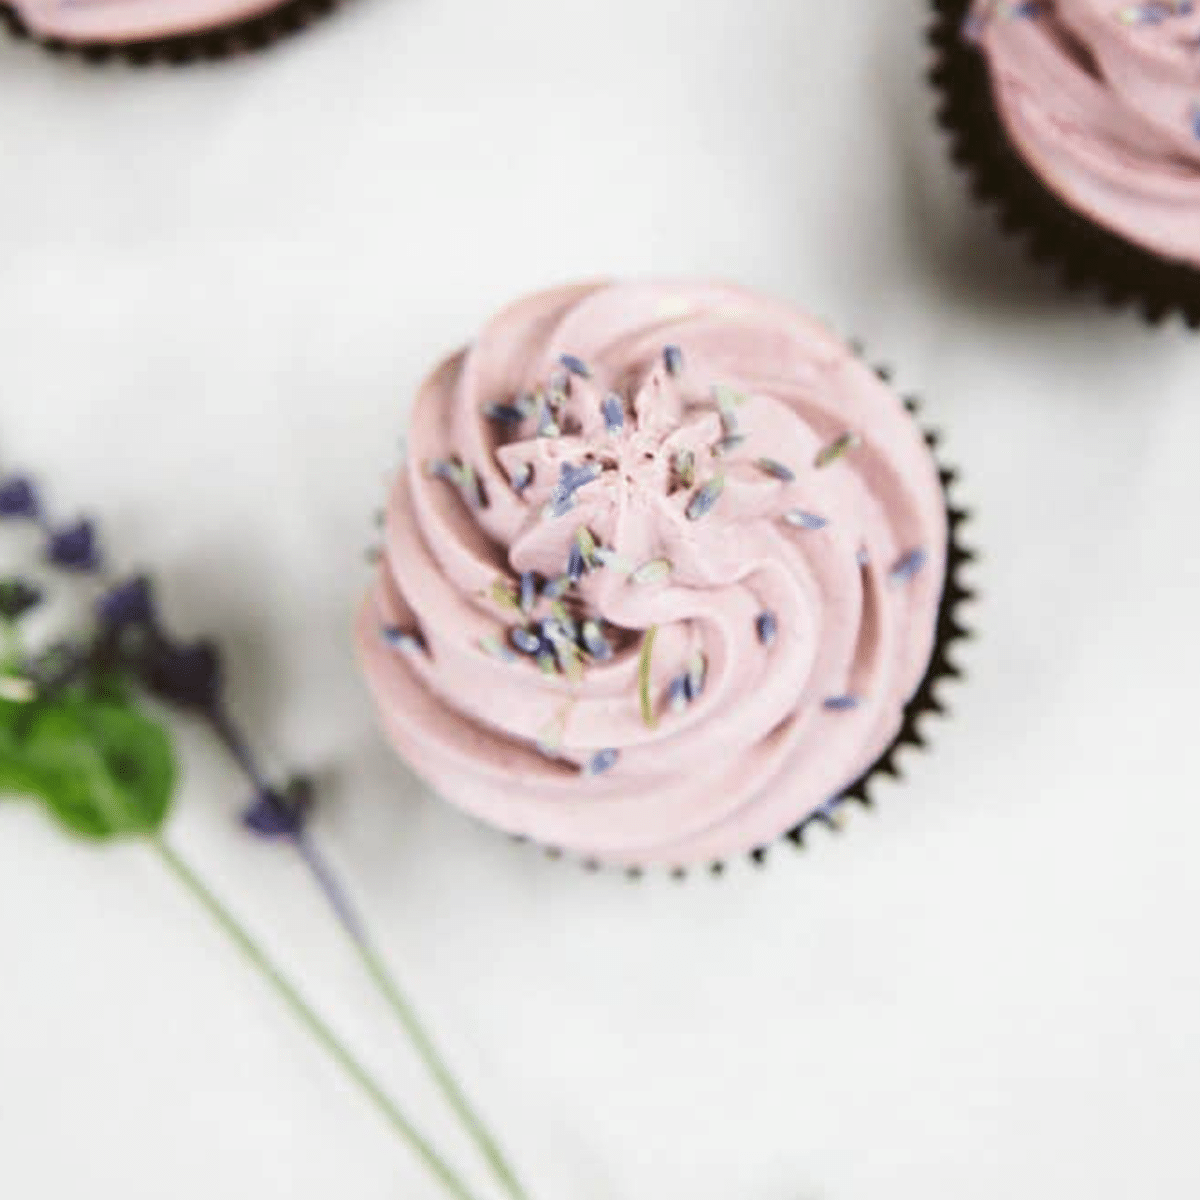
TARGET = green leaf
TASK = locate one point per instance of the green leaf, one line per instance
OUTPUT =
(101, 768)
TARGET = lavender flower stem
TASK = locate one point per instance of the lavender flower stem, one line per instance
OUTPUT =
(229, 736)
(355, 929)
(312, 1022)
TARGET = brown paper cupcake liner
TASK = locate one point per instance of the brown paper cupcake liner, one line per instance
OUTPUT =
(926, 701)
(227, 41)
(1085, 254)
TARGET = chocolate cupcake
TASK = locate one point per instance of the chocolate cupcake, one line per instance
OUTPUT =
(158, 30)
(668, 575)
(1080, 120)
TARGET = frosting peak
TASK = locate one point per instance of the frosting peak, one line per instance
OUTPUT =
(660, 575)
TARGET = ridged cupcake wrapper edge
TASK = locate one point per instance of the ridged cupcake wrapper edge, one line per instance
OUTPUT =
(228, 41)
(1086, 254)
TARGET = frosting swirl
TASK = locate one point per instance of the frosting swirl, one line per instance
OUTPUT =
(660, 575)
(118, 21)
(1102, 101)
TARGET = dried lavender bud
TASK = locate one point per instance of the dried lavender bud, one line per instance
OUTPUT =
(74, 547)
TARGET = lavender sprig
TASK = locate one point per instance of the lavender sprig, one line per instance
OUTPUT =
(122, 787)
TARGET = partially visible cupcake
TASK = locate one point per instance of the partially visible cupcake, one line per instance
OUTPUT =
(177, 30)
(662, 576)
(1081, 120)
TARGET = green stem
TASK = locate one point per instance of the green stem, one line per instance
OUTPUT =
(313, 1023)
(355, 930)
(10, 646)
(428, 1054)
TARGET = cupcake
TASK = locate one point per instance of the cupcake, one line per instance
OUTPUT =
(668, 574)
(1080, 119)
(143, 30)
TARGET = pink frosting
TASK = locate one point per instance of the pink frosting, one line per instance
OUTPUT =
(802, 611)
(1102, 100)
(133, 20)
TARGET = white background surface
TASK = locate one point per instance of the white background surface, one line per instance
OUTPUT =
(218, 288)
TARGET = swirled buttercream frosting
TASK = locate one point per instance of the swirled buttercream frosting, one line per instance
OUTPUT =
(1101, 99)
(118, 21)
(659, 576)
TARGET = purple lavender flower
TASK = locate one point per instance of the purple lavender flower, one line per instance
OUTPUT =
(129, 603)
(19, 498)
(74, 547)
(279, 814)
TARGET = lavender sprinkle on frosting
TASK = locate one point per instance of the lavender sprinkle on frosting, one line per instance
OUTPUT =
(585, 543)
(460, 476)
(404, 640)
(547, 424)
(841, 703)
(613, 408)
(594, 641)
(836, 449)
(505, 414)
(528, 592)
(908, 565)
(694, 679)
(776, 469)
(601, 761)
(804, 520)
(522, 477)
(767, 628)
(575, 562)
(575, 365)
(677, 694)
(556, 588)
(704, 501)
(525, 640)
(673, 360)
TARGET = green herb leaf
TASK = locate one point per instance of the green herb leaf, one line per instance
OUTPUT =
(101, 768)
